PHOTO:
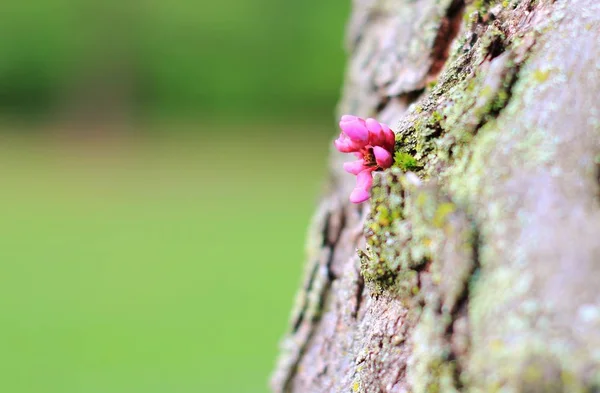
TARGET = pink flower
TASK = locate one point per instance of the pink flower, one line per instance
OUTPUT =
(370, 141)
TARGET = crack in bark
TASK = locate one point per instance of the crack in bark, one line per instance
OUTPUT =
(460, 310)
(598, 175)
(404, 99)
(327, 247)
(448, 31)
(296, 325)
(315, 318)
(359, 294)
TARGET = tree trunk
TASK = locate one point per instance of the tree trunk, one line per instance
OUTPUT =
(475, 266)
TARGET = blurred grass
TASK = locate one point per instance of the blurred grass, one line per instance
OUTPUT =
(227, 58)
(153, 263)
(163, 258)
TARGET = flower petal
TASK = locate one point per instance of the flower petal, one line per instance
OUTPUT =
(364, 179)
(359, 195)
(346, 145)
(376, 135)
(383, 157)
(356, 130)
(354, 167)
(390, 138)
(342, 146)
(349, 118)
(373, 125)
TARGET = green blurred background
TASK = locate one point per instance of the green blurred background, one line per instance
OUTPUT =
(160, 162)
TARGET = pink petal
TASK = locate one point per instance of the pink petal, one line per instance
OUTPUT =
(376, 135)
(346, 145)
(364, 179)
(349, 118)
(383, 157)
(359, 195)
(390, 137)
(354, 167)
(373, 125)
(342, 146)
(356, 130)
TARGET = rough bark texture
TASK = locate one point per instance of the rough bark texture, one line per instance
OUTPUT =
(475, 267)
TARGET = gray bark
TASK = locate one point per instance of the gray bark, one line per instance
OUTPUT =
(475, 266)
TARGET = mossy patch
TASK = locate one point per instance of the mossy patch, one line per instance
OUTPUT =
(407, 225)
(385, 231)
(405, 161)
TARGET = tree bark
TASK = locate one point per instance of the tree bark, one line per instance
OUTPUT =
(475, 266)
